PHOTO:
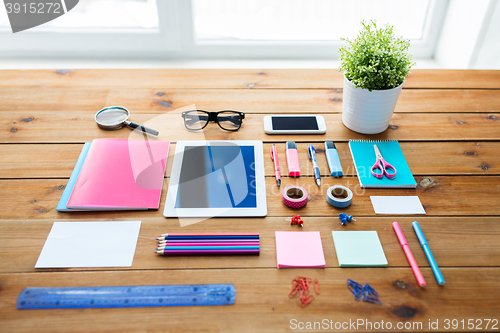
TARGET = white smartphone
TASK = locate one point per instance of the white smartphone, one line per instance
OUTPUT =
(294, 124)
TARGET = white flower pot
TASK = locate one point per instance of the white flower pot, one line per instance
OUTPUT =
(368, 112)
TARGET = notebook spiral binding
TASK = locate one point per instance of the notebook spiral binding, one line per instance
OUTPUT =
(374, 141)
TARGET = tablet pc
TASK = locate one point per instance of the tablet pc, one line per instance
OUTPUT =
(217, 179)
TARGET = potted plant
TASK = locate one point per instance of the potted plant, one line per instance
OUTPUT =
(375, 65)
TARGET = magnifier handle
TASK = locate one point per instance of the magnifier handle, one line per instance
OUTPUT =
(143, 128)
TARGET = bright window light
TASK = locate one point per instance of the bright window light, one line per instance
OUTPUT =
(303, 20)
(101, 15)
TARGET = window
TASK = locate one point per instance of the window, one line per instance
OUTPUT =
(302, 20)
(203, 29)
(94, 15)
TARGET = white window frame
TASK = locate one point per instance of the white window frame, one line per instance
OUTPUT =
(176, 40)
(84, 43)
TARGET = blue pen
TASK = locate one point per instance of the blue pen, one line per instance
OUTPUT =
(428, 253)
(312, 156)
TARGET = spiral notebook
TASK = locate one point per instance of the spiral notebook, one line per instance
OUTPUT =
(363, 155)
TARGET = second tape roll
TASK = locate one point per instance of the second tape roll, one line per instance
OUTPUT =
(339, 196)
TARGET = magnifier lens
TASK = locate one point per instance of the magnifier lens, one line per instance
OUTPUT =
(112, 117)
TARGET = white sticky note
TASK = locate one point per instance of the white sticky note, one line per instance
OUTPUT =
(397, 205)
(90, 244)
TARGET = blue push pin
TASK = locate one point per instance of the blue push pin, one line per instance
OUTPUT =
(344, 218)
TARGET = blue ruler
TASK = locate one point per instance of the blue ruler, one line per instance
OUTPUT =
(126, 297)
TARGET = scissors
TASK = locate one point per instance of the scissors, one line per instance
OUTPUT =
(382, 165)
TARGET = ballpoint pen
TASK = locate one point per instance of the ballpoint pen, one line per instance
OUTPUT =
(428, 253)
(409, 255)
(312, 156)
(274, 157)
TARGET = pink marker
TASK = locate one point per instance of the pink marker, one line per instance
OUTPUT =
(292, 159)
(409, 255)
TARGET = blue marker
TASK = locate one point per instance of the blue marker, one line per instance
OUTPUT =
(428, 253)
(332, 157)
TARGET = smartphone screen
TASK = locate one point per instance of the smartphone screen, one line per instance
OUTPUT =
(294, 123)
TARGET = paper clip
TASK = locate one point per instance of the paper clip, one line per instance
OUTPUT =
(301, 285)
(365, 292)
(294, 291)
(306, 301)
(316, 286)
(370, 289)
(370, 295)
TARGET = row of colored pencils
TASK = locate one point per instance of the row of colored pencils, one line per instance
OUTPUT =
(208, 244)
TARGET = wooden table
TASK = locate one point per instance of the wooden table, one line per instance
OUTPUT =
(448, 123)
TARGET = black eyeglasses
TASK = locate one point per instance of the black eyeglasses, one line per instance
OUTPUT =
(196, 120)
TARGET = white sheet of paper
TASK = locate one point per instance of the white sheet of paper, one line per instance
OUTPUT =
(90, 244)
(397, 205)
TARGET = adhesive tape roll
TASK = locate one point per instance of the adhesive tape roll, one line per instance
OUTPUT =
(299, 192)
(339, 196)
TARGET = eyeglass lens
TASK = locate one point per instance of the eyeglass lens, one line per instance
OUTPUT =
(229, 120)
(195, 120)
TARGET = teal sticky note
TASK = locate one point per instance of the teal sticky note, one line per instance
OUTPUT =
(359, 249)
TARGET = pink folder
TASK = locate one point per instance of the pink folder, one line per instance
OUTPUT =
(299, 249)
(121, 174)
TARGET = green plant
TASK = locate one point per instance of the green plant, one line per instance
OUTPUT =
(376, 59)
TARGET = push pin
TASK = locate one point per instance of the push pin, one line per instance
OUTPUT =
(295, 220)
(344, 218)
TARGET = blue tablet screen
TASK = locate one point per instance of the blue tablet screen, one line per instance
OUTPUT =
(217, 177)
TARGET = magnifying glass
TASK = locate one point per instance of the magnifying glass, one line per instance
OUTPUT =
(114, 117)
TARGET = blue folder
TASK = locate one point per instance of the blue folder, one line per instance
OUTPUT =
(61, 206)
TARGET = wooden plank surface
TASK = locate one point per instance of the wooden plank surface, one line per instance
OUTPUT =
(479, 248)
(441, 158)
(233, 78)
(47, 127)
(467, 196)
(446, 121)
(262, 302)
(160, 100)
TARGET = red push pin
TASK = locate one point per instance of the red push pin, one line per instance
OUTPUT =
(295, 220)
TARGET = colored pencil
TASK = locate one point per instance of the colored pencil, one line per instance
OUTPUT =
(170, 248)
(208, 237)
(172, 241)
(206, 252)
(210, 244)
(224, 234)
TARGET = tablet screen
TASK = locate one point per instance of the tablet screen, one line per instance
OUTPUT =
(217, 176)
